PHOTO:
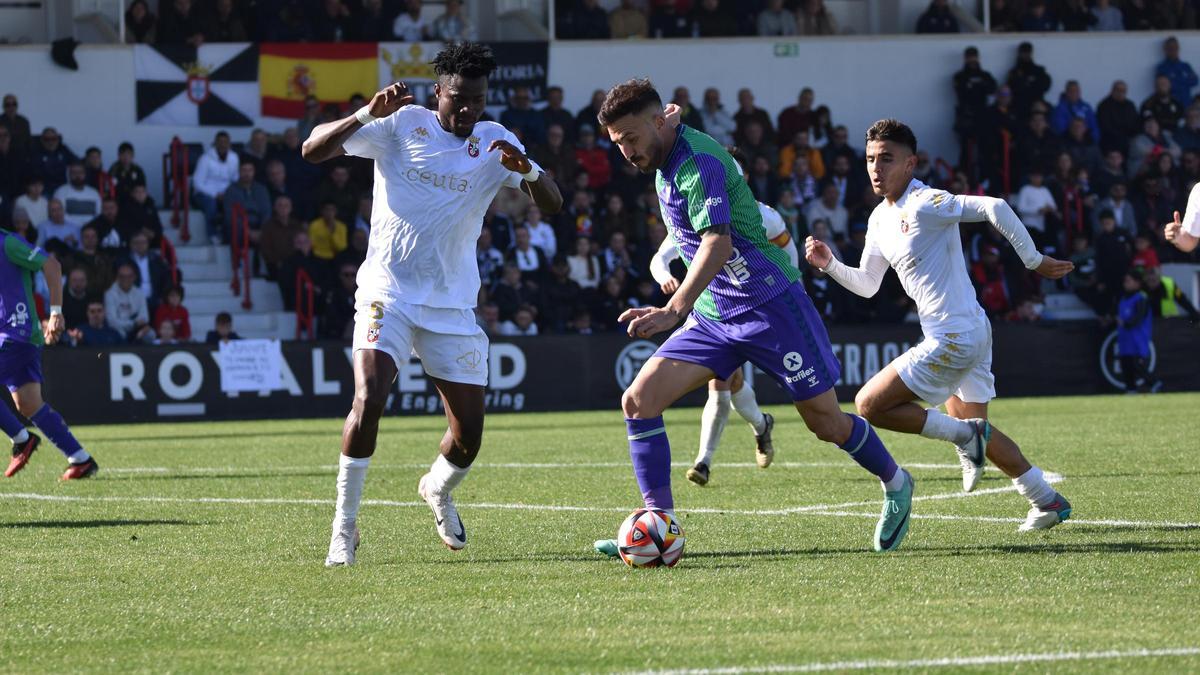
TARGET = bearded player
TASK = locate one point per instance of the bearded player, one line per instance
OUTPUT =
(735, 393)
(742, 301)
(435, 174)
(915, 231)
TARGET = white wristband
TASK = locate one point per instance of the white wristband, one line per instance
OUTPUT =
(364, 116)
(532, 175)
(55, 309)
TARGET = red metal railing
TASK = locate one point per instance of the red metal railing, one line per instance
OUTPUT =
(239, 248)
(175, 186)
(168, 254)
(306, 310)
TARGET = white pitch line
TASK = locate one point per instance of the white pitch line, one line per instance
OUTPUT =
(946, 662)
(485, 466)
(997, 519)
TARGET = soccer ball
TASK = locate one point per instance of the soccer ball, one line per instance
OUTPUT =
(650, 538)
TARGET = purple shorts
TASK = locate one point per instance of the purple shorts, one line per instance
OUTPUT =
(783, 337)
(20, 363)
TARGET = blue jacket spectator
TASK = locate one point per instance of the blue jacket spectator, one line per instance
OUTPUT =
(521, 115)
(50, 159)
(251, 194)
(937, 19)
(1180, 73)
(1071, 105)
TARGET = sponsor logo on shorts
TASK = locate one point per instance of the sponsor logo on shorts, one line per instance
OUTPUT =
(793, 361)
(19, 317)
(470, 360)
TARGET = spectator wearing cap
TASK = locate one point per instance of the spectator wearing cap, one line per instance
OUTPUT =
(746, 113)
(1108, 17)
(587, 20)
(592, 159)
(1118, 118)
(972, 87)
(17, 125)
(1178, 72)
(717, 123)
(1028, 80)
(627, 21)
(50, 159)
(1071, 105)
(937, 18)
(520, 118)
(775, 21)
(1162, 104)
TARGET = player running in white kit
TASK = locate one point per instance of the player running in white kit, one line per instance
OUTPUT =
(915, 231)
(436, 172)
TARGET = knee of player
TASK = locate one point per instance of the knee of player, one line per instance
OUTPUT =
(864, 404)
(28, 407)
(828, 429)
(634, 404)
(370, 400)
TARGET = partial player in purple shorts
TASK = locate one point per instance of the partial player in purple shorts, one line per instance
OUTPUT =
(784, 338)
(741, 301)
(20, 364)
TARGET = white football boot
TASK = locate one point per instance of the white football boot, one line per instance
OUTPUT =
(1046, 517)
(449, 526)
(342, 546)
(973, 455)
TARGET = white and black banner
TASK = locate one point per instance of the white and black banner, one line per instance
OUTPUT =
(211, 85)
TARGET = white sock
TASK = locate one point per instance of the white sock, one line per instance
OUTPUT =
(444, 476)
(712, 425)
(747, 406)
(21, 437)
(895, 483)
(352, 472)
(1033, 487)
(942, 427)
(78, 457)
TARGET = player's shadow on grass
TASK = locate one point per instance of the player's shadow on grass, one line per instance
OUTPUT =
(335, 431)
(88, 524)
(221, 476)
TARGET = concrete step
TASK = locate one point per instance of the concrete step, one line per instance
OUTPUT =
(279, 325)
(263, 301)
(203, 254)
(199, 233)
(264, 294)
(206, 272)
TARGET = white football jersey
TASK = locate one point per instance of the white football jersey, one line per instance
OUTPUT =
(918, 236)
(431, 191)
(1191, 219)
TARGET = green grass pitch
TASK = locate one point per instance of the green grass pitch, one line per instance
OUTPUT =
(199, 548)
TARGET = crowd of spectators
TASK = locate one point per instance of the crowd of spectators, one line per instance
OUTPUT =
(625, 19)
(1093, 183)
(195, 22)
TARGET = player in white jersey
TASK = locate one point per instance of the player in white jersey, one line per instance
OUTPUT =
(435, 174)
(1185, 233)
(735, 392)
(915, 231)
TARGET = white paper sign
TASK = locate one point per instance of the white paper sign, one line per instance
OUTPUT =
(249, 365)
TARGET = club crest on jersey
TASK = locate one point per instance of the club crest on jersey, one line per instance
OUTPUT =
(421, 133)
(373, 331)
(473, 146)
(903, 226)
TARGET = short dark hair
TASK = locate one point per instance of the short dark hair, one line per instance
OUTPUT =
(221, 134)
(125, 145)
(628, 98)
(91, 150)
(224, 317)
(971, 51)
(246, 160)
(468, 59)
(893, 130)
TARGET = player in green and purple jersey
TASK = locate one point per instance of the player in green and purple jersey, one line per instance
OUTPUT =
(21, 343)
(742, 300)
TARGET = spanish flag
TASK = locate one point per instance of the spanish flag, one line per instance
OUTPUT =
(333, 72)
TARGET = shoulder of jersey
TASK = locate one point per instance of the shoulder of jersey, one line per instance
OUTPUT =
(490, 129)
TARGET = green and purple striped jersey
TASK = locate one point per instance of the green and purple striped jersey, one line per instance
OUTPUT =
(699, 187)
(17, 308)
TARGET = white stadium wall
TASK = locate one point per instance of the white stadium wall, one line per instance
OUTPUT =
(859, 78)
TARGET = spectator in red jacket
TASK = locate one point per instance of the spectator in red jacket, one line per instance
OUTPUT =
(173, 311)
(592, 159)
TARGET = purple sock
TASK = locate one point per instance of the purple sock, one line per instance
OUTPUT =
(865, 448)
(9, 423)
(51, 423)
(651, 455)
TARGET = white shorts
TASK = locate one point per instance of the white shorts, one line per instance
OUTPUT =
(950, 364)
(450, 344)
